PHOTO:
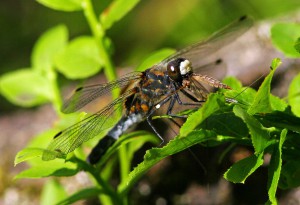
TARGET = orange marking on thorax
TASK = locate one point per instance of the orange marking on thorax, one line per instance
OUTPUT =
(145, 107)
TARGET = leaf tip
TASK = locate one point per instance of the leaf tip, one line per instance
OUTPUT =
(276, 62)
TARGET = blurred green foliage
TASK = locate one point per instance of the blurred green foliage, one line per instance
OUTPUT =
(149, 26)
(78, 51)
(284, 37)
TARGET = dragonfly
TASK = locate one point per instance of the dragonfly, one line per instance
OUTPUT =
(144, 93)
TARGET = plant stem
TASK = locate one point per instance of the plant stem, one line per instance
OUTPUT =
(109, 69)
(106, 187)
(124, 167)
(98, 33)
(56, 101)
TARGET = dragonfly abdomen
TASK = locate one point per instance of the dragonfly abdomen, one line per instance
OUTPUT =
(105, 143)
(124, 124)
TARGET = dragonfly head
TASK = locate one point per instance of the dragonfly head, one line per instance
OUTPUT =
(179, 68)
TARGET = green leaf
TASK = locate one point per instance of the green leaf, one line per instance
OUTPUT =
(297, 45)
(262, 101)
(42, 140)
(259, 135)
(65, 5)
(81, 195)
(234, 83)
(226, 123)
(275, 168)
(213, 104)
(244, 96)
(277, 103)
(284, 36)
(281, 120)
(80, 59)
(294, 95)
(276, 62)
(154, 155)
(52, 193)
(47, 47)
(35, 148)
(290, 175)
(25, 87)
(116, 11)
(137, 143)
(241, 170)
(155, 58)
(27, 154)
(146, 137)
(56, 167)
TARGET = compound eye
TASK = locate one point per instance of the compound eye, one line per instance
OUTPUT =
(174, 70)
(179, 68)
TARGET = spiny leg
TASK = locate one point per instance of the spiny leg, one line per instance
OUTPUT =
(176, 97)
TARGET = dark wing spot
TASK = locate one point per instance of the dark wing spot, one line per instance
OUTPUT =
(219, 61)
(78, 89)
(57, 135)
(242, 18)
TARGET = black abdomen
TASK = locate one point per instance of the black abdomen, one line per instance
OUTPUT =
(105, 143)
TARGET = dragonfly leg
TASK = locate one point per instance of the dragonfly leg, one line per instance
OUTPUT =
(177, 98)
(172, 100)
(154, 129)
(196, 101)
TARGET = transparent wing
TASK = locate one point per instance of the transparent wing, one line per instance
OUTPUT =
(216, 68)
(71, 138)
(198, 90)
(85, 95)
(198, 52)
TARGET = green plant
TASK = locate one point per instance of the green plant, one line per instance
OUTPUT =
(258, 119)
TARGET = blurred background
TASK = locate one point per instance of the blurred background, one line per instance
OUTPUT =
(151, 25)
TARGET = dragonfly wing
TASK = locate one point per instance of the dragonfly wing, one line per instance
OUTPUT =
(216, 68)
(85, 95)
(71, 138)
(198, 54)
(198, 90)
